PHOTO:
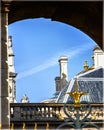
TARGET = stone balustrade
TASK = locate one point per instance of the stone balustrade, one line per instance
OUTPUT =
(47, 112)
(35, 112)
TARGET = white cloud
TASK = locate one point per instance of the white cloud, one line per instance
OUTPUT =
(71, 52)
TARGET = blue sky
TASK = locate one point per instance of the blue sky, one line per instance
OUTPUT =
(38, 44)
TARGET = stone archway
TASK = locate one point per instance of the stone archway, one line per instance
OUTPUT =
(86, 16)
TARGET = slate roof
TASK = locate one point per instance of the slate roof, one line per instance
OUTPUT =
(62, 95)
(95, 73)
(91, 82)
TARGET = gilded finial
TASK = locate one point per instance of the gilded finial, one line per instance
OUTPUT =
(86, 65)
(76, 95)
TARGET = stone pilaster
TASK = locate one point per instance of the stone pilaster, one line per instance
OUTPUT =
(4, 100)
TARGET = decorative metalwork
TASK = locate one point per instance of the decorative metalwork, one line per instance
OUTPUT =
(35, 127)
(77, 112)
(24, 126)
(0, 126)
(47, 126)
(12, 126)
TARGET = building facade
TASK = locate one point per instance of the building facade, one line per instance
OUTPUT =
(12, 73)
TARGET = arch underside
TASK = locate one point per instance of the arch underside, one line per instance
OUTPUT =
(86, 16)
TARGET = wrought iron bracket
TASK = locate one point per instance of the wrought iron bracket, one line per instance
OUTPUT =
(77, 117)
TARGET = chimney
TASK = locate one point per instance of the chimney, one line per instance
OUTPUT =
(62, 80)
(98, 57)
(63, 67)
(57, 82)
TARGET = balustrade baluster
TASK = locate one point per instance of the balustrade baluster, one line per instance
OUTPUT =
(58, 108)
(17, 113)
(37, 112)
(12, 112)
(101, 114)
(49, 112)
(46, 112)
(25, 113)
(43, 112)
(32, 113)
(55, 112)
(28, 113)
(40, 111)
(52, 112)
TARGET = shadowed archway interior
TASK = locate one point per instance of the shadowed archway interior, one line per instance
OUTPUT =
(86, 16)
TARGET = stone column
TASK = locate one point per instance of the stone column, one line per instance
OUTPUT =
(4, 99)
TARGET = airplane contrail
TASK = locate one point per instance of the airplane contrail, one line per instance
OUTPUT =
(71, 52)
